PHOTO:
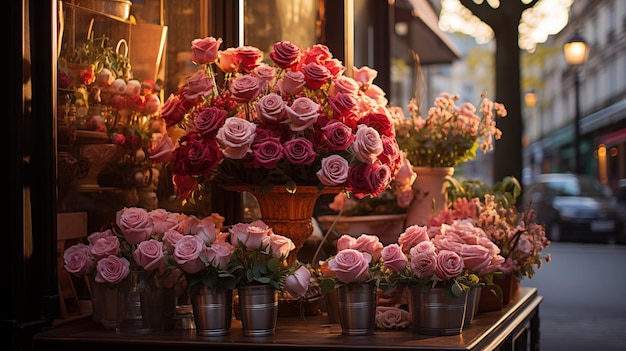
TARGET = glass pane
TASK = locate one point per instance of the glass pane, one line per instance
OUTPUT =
(267, 22)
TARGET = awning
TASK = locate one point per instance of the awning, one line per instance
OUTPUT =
(424, 36)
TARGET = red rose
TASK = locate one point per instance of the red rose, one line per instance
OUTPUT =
(285, 54)
(268, 152)
(299, 151)
(209, 120)
(315, 75)
(250, 58)
(338, 136)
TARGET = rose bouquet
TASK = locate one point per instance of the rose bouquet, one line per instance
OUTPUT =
(449, 134)
(450, 256)
(260, 257)
(139, 240)
(358, 261)
(492, 208)
(294, 119)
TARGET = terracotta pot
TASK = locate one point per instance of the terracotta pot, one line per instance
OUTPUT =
(430, 194)
(386, 227)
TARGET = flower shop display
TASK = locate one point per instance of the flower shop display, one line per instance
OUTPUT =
(440, 265)
(383, 215)
(114, 115)
(447, 136)
(134, 248)
(354, 275)
(519, 238)
(260, 265)
(289, 121)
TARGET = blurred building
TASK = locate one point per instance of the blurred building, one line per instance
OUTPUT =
(549, 123)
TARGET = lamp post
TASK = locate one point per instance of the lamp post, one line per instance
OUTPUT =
(576, 51)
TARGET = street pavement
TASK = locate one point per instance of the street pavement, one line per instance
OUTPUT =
(584, 291)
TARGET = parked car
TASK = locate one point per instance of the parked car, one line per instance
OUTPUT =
(575, 207)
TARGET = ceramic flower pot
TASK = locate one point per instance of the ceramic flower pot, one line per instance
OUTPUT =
(386, 227)
(430, 194)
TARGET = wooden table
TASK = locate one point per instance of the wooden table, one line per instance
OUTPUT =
(515, 327)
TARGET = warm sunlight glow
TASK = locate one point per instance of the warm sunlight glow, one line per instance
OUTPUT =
(545, 18)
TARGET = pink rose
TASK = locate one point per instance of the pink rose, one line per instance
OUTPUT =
(280, 245)
(350, 265)
(392, 318)
(297, 283)
(303, 113)
(423, 263)
(377, 94)
(205, 50)
(391, 154)
(315, 75)
(161, 148)
(345, 241)
(209, 120)
(251, 235)
(163, 220)
(411, 236)
(188, 225)
(333, 171)
(149, 255)
(475, 257)
(93, 237)
(343, 84)
(268, 153)
(206, 231)
(364, 75)
(449, 265)
(292, 83)
(236, 135)
(105, 246)
(77, 260)
(266, 73)
(135, 223)
(285, 54)
(112, 269)
(219, 254)
(245, 88)
(187, 253)
(198, 85)
(370, 244)
(393, 258)
(271, 108)
(170, 238)
(338, 136)
(367, 144)
(299, 151)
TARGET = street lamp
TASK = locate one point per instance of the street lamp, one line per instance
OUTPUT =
(576, 51)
